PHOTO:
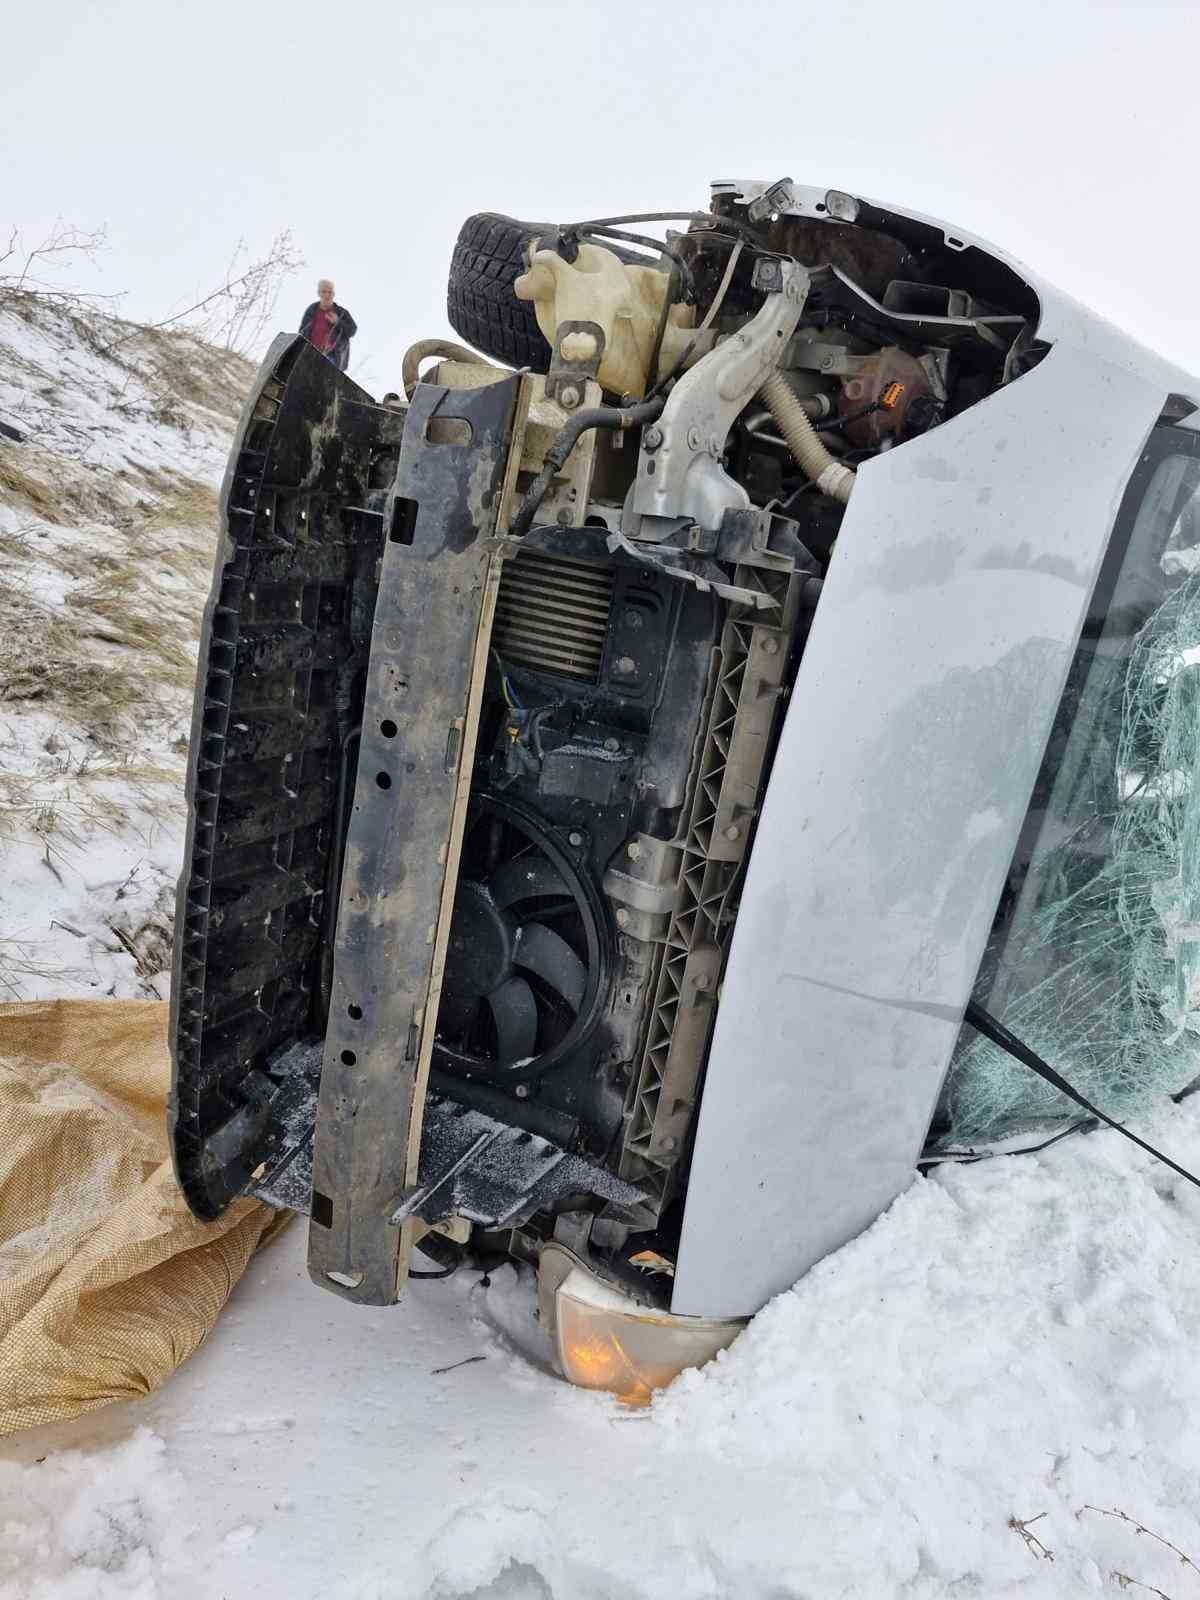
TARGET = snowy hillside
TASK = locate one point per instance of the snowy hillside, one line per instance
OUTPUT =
(107, 534)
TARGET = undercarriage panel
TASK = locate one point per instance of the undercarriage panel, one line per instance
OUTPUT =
(283, 649)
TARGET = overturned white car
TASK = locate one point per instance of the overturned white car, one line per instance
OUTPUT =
(619, 760)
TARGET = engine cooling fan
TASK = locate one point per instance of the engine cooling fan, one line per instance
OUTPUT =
(527, 962)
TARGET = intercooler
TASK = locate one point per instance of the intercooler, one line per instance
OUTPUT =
(552, 615)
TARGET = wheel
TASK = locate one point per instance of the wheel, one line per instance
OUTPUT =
(480, 303)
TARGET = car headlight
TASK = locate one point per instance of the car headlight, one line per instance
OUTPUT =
(607, 1340)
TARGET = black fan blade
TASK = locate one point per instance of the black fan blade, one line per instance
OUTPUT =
(526, 878)
(549, 957)
(515, 1013)
(456, 1013)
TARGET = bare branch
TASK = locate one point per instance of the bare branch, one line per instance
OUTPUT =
(239, 308)
(62, 239)
(1032, 1543)
(239, 316)
(1138, 1527)
(1124, 1581)
(62, 247)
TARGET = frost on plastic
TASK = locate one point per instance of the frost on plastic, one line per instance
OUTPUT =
(1095, 962)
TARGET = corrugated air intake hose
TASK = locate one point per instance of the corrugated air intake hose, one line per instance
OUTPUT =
(829, 475)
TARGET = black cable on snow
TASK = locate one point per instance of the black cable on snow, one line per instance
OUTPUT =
(964, 1158)
(983, 1022)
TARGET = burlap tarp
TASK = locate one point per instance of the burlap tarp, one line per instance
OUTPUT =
(107, 1281)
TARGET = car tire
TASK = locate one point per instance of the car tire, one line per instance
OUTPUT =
(480, 303)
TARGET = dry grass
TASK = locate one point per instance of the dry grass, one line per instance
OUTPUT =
(16, 544)
(17, 961)
(120, 652)
(16, 480)
(180, 535)
(61, 808)
(149, 945)
(194, 373)
(44, 660)
(56, 488)
(109, 613)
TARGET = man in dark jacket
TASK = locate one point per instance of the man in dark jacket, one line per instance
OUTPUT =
(329, 327)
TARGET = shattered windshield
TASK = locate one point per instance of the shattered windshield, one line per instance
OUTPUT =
(1094, 956)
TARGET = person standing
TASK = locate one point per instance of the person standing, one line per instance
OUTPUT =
(329, 327)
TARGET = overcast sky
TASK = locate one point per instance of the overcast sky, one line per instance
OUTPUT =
(1064, 132)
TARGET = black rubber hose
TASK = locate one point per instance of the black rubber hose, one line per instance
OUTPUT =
(710, 219)
(446, 1252)
(670, 299)
(613, 418)
(602, 235)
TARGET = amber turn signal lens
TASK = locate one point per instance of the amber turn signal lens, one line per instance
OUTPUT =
(606, 1340)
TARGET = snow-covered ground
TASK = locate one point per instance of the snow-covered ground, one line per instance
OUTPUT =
(107, 533)
(968, 1401)
(1013, 1341)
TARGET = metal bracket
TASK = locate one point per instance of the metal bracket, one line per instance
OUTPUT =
(702, 574)
(778, 197)
(680, 476)
(576, 357)
(763, 539)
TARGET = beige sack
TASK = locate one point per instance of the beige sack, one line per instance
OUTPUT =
(107, 1281)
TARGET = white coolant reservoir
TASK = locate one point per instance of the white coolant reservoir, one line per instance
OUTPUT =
(624, 301)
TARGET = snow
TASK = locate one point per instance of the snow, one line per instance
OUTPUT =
(97, 1526)
(1013, 1340)
(924, 1415)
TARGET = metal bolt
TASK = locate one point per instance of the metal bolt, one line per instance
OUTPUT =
(612, 745)
(522, 1091)
(626, 665)
(569, 396)
(622, 917)
(575, 840)
(770, 646)
(634, 851)
(652, 438)
(669, 1144)
(733, 831)
(563, 518)
(631, 617)
(703, 980)
(695, 439)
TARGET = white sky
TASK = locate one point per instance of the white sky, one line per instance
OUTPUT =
(1060, 131)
